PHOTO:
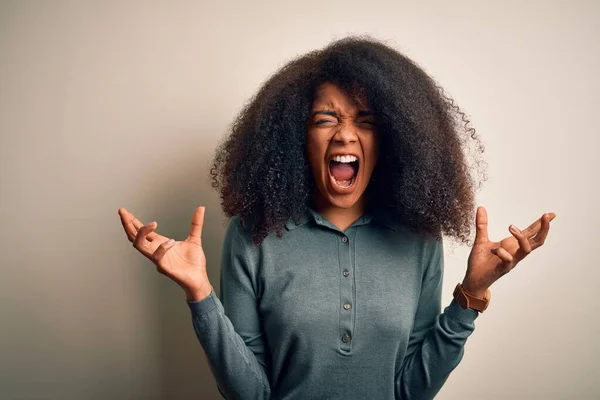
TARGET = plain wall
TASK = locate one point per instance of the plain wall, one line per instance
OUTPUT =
(112, 104)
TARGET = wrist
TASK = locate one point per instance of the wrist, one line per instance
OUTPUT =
(473, 290)
(198, 294)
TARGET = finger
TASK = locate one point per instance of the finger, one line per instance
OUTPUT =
(137, 224)
(196, 227)
(481, 225)
(503, 254)
(132, 225)
(533, 229)
(128, 225)
(140, 242)
(524, 245)
(506, 258)
(540, 238)
(162, 250)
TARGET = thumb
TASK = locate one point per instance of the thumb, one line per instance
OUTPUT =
(196, 227)
(481, 225)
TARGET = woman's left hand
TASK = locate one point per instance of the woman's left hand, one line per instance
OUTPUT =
(489, 260)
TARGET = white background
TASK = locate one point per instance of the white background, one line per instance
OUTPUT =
(112, 104)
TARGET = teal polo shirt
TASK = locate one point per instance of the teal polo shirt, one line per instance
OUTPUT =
(322, 313)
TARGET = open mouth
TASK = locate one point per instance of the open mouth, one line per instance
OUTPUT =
(343, 171)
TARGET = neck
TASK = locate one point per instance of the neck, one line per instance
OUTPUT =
(342, 218)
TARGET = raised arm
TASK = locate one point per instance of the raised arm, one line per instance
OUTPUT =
(229, 330)
(236, 360)
(436, 344)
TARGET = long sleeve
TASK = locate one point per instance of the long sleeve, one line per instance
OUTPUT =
(436, 344)
(229, 328)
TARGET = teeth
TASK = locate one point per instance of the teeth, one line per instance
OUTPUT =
(345, 159)
(350, 182)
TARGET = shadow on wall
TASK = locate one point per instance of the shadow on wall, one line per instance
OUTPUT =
(183, 367)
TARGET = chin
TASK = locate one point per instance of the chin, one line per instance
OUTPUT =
(343, 203)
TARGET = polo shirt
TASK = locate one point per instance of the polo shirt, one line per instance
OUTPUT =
(322, 313)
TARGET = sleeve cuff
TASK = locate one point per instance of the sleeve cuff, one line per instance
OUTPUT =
(206, 305)
(455, 311)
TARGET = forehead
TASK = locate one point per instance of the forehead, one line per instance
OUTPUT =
(331, 95)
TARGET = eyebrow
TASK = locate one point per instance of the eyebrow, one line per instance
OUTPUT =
(361, 113)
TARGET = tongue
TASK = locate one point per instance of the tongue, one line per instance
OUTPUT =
(341, 171)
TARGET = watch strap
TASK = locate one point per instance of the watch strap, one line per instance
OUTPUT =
(467, 300)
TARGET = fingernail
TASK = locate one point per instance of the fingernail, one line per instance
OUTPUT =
(513, 228)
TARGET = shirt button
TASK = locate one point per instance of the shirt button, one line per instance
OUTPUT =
(345, 338)
(346, 272)
(347, 306)
(344, 239)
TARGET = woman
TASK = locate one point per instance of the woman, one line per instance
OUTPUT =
(341, 176)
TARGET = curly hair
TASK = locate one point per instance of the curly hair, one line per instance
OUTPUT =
(426, 174)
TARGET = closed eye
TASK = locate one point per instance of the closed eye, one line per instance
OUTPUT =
(322, 121)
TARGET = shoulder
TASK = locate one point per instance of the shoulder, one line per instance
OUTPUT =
(427, 249)
(240, 233)
(237, 234)
(427, 241)
(424, 243)
(235, 224)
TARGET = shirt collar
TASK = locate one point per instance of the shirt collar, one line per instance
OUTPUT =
(377, 216)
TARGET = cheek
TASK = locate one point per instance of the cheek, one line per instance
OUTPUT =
(371, 151)
(316, 152)
(316, 147)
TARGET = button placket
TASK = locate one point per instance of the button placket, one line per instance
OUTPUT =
(346, 315)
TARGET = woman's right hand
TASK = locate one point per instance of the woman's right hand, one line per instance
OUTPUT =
(183, 262)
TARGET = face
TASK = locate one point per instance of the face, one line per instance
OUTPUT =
(342, 147)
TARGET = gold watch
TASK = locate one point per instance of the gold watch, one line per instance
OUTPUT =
(467, 300)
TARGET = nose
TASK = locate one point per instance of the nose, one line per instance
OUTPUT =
(346, 133)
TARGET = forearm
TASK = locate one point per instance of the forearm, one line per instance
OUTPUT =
(426, 369)
(236, 369)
